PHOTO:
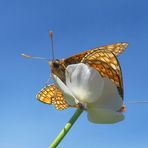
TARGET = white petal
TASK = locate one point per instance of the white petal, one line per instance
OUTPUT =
(85, 82)
(110, 98)
(104, 116)
(65, 90)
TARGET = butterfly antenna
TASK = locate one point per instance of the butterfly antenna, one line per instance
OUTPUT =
(51, 38)
(27, 56)
(137, 102)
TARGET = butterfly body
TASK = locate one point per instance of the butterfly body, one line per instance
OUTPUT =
(103, 59)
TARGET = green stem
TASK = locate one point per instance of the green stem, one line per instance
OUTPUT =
(65, 130)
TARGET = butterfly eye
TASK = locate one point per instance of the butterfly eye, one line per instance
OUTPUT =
(56, 65)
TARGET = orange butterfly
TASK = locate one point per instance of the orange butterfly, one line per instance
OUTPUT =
(103, 59)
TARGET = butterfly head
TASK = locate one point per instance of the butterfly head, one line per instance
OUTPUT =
(57, 68)
(55, 63)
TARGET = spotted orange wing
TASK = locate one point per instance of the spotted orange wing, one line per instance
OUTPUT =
(106, 63)
(116, 49)
(53, 96)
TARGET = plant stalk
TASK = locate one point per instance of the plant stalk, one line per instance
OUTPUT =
(65, 130)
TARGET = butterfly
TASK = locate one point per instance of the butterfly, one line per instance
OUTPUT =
(103, 59)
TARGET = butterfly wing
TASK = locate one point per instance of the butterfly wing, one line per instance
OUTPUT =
(107, 64)
(53, 96)
(116, 49)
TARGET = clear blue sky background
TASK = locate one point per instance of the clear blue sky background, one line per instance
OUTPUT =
(77, 25)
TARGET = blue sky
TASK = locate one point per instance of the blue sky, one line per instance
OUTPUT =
(77, 25)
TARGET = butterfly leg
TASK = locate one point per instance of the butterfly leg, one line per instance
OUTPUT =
(50, 77)
(68, 74)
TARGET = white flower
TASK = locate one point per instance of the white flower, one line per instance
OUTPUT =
(98, 95)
